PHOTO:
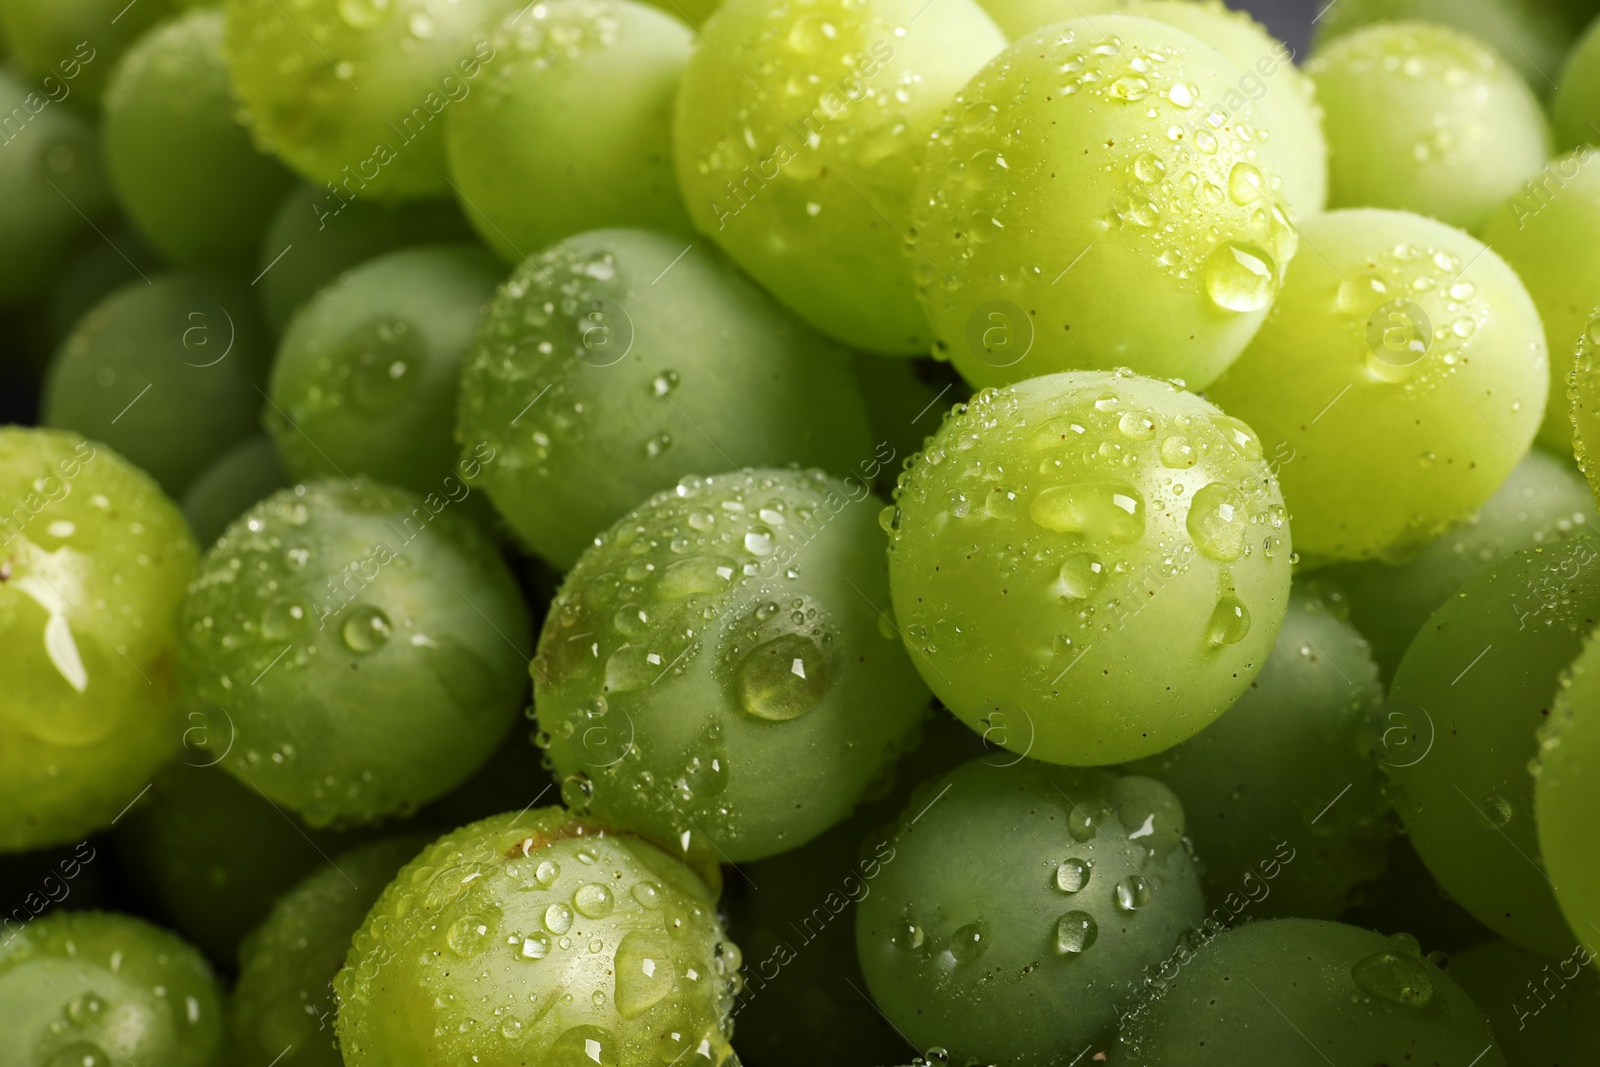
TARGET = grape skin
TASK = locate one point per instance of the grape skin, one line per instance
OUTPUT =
(242, 477)
(1575, 109)
(75, 43)
(1566, 794)
(1543, 1011)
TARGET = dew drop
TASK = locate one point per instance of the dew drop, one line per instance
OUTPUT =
(968, 943)
(1133, 893)
(1398, 978)
(1244, 184)
(469, 935)
(1241, 277)
(1497, 810)
(1229, 622)
(1098, 510)
(558, 918)
(1178, 454)
(644, 973)
(909, 936)
(1217, 522)
(366, 630)
(697, 574)
(1075, 933)
(1072, 874)
(783, 678)
(1082, 576)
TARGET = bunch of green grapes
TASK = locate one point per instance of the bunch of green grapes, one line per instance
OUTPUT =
(1546, 234)
(1099, 560)
(1543, 1011)
(353, 92)
(1088, 162)
(71, 46)
(1010, 887)
(93, 565)
(367, 376)
(1289, 770)
(1421, 117)
(572, 131)
(619, 361)
(718, 671)
(1400, 378)
(1459, 737)
(1542, 502)
(283, 1006)
(182, 165)
(1305, 991)
(165, 372)
(1567, 789)
(50, 183)
(86, 989)
(540, 938)
(363, 646)
(316, 236)
(799, 132)
(236, 481)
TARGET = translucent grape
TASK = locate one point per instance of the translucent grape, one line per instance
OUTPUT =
(93, 564)
(798, 136)
(242, 477)
(701, 674)
(1543, 1011)
(1101, 558)
(1397, 382)
(1567, 789)
(71, 46)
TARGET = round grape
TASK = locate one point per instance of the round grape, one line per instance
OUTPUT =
(1100, 558)
(1583, 402)
(1567, 788)
(240, 478)
(96, 272)
(1543, 1011)
(71, 46)
(1575, 108)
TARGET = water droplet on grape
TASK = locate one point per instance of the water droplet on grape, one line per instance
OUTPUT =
(1241, 277)
(1229, 622)
(1075, 933)
(909, 936)
(593, 901)
(783, 678)
(1098, 510)
(1132, 893)
(1082, 576)
(366, 630)
(1072, 874)
(1217, 521)
(1178, 454)
(1398, 978)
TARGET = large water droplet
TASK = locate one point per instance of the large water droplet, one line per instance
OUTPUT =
(1241, 277)
(593, 901)
(584, 1046)
(782, 679)
(908, 935)
(1178, 454)
(644, 973)
(1098, 510)
(1082, 576)
(558, 918)
(80, 1054)
(1217, 521)
(1398, 977)
(633, 667)
(1229, 622)
(1245, 184)
(1075, 933)
(367, 629)
(470, 935)
(969, 942)
(697, 574)
(283, 620)
(1072, 874)
(1133, 893)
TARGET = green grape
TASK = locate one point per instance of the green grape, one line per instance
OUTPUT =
(1030, 886)
(619, 361)
(1541, 503)
(805, 176)
(183, 166)
(209, 854)
(1407, 900)
(240, 478)
(1106, 525)
(50, 185)
(573, 129)
(1288, 107)
(317, 235)
(1304, 993)
(71, 46)
(1543, 1011)
(508, 780)
(1566, 791)
(282, 1013)
(540, 938)
(694, 12)
(1399, 374)
(1575, 109)
(93, 565)
(1290, 768)
(364, 644)
(351, 92)
(905, 400)
(1172, 244)
(1472, 690)
(82, 989)
(701, 674)
(1583, 402)
(1547, 234)
(1421, 117)
(96, 272)
(367, 376)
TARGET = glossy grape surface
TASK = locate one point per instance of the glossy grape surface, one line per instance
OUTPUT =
(1101, 558)
(93, 565)
(1544, 1011)
(240, 478)
(717, 671)
(1566, 792)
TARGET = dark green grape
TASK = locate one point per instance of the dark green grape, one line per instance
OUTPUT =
(716, 672)
(165, 372)
(365, 645)
(316, 235)
(241, 477)
(366, 377)
(97, 271)
(1288, 771)
(1407, 899)
(1545, 1013)
(1567, 792)
(33, 883)
(619, 361)
(71, 46)
(1305, 993)
(283, 1005)
(93, 565)
(537, 938)
(1473, 689)
(50, 185)
(183, 166)
(86, 989)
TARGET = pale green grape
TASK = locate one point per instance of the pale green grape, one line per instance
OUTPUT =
(182, 165)
(1472, 690)
(799, 132)
(71, 46)
(1583, 402)
(366, 378)
(1424, 118)
(572, 130)
(353, 92)
(1101, 557)
(364, 644)
(82, 989)
(1547, 234)
(1289, 771)
(540, 938)
(619, 361)
(1541, 503)
(1544, 1012)
(1400, 376)
(702, 674)
(93, 565)
(1566, 792)
(1576, 107)
(1304, 993)
(1020, 905)
(240, 478)
(165, 372)
(1127, 216)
